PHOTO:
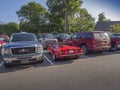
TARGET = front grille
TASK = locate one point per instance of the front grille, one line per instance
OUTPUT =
(23, 50)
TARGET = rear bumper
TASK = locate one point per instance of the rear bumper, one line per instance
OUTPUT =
(24, 59)
(99, 48)
(69, 55)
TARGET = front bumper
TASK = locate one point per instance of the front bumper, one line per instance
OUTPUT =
(22, 59)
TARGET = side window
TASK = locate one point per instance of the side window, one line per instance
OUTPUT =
(79, 36)
(74, 36)
(87, 35)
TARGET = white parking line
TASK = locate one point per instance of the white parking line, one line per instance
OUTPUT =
(48, 60)
(1, 63)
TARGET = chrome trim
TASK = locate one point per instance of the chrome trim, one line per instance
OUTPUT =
(22, 54)
(12, 58)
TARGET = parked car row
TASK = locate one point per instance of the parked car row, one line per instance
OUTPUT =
(25, 47)
(98, 41)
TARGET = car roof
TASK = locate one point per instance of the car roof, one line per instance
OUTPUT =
(22, 33)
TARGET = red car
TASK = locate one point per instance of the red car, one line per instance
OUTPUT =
(3, 39)
(62, 50)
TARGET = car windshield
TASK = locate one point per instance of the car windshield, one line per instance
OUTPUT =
(22, 37)
(64, 35)
(46, 35)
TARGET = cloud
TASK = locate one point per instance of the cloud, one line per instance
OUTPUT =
(95, 8)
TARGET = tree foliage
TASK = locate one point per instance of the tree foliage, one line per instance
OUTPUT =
(32, 17)
(67, 15)
(61, 12)
(115, 28)
(102, 18)
(83, 21)
(9, 28)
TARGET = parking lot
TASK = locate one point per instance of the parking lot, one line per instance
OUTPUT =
(96, 71)
(48, 61)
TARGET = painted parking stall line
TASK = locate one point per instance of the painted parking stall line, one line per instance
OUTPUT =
(1, 64)
(48, 60)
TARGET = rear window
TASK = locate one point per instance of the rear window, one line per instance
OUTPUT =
(101, 35)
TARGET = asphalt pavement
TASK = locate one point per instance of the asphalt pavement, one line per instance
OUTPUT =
(97, 71)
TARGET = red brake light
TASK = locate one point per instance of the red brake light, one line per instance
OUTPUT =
(93, 42)
(116, 41)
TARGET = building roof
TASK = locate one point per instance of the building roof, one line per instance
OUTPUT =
(105, 26)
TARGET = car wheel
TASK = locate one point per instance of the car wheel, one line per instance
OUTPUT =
(85, 49)
(54, 57)
(7, 65)
(40, 61)
(77, 57)
(114, 48)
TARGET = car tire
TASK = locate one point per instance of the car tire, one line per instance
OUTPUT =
(77, 57)
(85, 49)
(114, 48)
(40, 61)
(7, 65)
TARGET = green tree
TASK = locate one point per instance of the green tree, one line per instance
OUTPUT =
(83, 21)
(32, 17)
(102, 18)
(61, 13)
(115, 28)
(9, 28)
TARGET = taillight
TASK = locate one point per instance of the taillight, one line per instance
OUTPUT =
(116, 41)
(81, 50)
(60, 52)
(93, 42)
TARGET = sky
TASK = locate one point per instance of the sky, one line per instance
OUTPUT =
(111, 8)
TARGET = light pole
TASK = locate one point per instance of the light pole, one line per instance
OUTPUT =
(69, 22)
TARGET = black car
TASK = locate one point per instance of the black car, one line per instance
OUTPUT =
(115, 41)
(63, 36)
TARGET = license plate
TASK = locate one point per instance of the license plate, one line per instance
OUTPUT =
(25, 61)
(71, 51)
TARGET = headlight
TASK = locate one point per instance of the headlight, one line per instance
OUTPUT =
(39, 49)
(6, 51)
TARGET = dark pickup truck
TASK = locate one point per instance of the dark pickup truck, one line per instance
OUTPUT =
(115, 41)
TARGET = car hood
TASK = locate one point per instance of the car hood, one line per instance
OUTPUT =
(67, 48)
(20, 44)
